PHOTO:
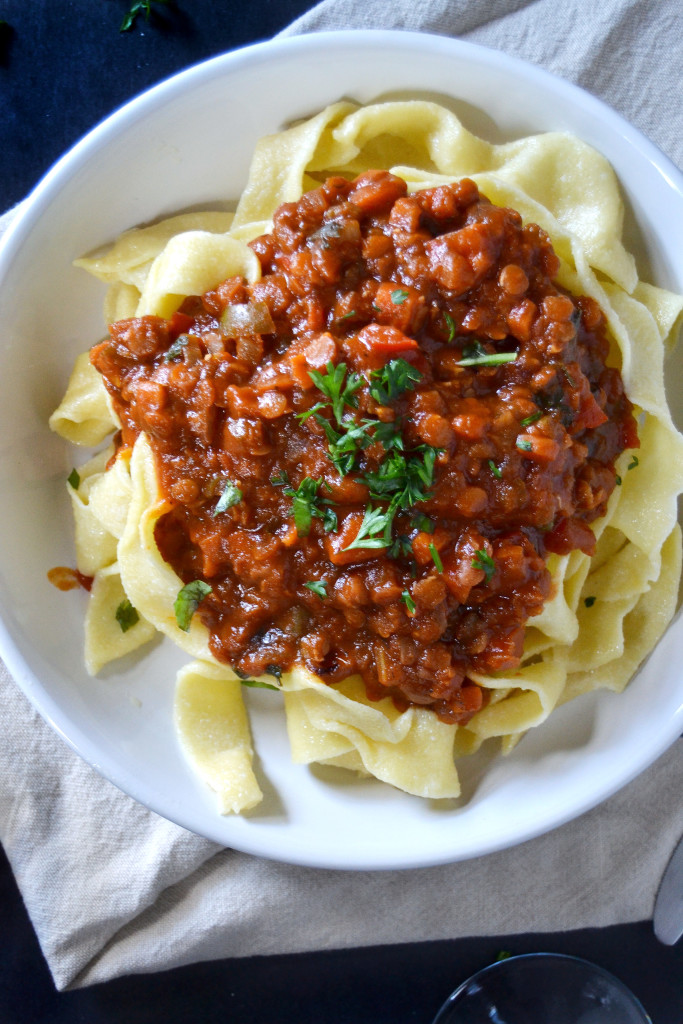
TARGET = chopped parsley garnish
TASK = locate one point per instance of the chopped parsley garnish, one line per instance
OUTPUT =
(408, 602)
(400, 546)
(450, 322)
(126, 615)
(274, 670)
(618, 480)
(389, 383)
(231, 495)
(485, 563)
(589, 602)
(528, 420)
(318, 587)
(404, 478)
(347, 316)
(524, 444)
(337, 387)
(279, 479)
(375, 530)
(436, 558)
(259, 684)
(399, 296)
(175, 350)
(568, 377)
(139, 7)
(423, 523)
(307, 503)
(476, 355)
(633, 463)
(496, 470)
(188, 600)
(74, 479)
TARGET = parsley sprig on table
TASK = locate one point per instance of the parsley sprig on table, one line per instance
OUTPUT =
(139, 7)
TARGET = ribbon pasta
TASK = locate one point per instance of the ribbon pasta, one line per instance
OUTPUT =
(606, 612)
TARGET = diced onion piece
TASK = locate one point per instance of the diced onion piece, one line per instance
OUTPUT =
(247, 318)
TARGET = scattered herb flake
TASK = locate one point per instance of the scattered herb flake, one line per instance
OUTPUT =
(504, 954)
(307, 503)
(496, 470)
(188, 600)
(280, 479)
(423, 523)
(633, 463)
(136, 8)
(231, 495)
(618, 480)
(274, 670)
(485, 563)
(375, 530)
(487, 359)
(528, 420)
(339, 388)
(451, 327)
(399, 296)
(74, 479)
(395, 378)
(589, 602)
(568, 377)
(408, 602)
(524, 444)
(436, 558)
(259, 684)
(318, 587)
(175, 350)
(126, 615)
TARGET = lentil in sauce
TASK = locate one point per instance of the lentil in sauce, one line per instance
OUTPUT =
(369, 453)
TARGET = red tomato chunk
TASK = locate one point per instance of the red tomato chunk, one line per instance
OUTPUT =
(369, 453)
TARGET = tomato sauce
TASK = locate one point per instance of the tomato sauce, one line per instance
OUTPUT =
(370, 452)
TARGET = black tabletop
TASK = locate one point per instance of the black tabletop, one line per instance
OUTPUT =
(65, 65)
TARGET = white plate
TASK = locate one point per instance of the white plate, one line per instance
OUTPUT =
(188, 143)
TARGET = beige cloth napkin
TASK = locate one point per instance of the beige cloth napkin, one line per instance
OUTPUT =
(113, 889)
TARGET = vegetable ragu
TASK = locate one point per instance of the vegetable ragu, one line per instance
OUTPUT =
(369, 454)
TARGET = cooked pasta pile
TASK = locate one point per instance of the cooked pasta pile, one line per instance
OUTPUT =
(605, 612)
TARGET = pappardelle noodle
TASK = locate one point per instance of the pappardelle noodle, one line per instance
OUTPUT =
(392, 439)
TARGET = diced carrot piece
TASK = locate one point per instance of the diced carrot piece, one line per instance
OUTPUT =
(386, 339)
(335, 543)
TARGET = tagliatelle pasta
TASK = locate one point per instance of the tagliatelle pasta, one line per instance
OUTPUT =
(605, 611)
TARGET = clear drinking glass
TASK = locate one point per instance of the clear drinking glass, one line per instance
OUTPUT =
(542, 988)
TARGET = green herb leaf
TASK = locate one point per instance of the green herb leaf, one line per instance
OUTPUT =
(405, 478)
(423, 523)
(175, 350)
(306, 503)
(528, 420)
(318, 587)
(231, 495)
(126, 615)
(485, 563)
(188, 600)
(589, 602)
(395, 378)
(476, 355)
(408, 602)
(74, 479)
(400, 546)
(633, 463)
(279, 479)
(339, 388)
(524, 444)
(497, 472)
(138, 7)
(375, 530)
(618, 480)
(450, 322)
(259, 684)
(399, 296)
(274, 670)
(436, 558)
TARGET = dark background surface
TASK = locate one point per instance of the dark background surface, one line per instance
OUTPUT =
(63, 67)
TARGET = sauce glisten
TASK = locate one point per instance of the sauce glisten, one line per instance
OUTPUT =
(460, 415)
